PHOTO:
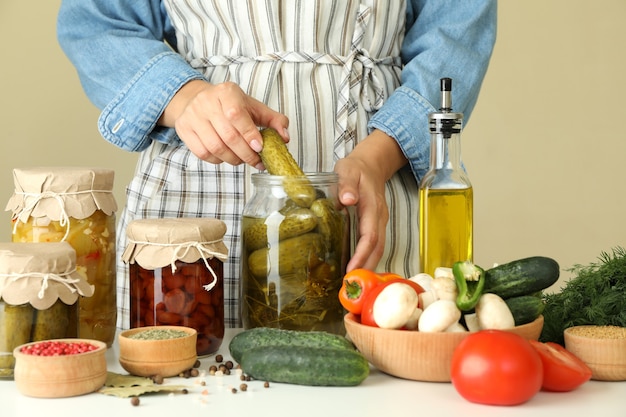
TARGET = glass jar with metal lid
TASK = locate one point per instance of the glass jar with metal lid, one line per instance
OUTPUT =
(177, 276)
(294, 252)
(75, 205)
(39, 292)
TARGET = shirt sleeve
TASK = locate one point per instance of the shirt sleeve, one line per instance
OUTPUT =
(124, 53)
(444, 38)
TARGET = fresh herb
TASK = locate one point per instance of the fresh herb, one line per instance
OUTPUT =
(595, 295)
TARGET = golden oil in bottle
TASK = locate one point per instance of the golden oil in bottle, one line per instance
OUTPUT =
(446, 223)
(446, 193)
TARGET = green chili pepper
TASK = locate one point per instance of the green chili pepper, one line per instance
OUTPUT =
(470, 280)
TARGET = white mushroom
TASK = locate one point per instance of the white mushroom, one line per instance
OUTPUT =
(493, 313)
(439, 316)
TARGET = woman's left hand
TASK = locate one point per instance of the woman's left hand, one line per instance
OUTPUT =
(362, 177)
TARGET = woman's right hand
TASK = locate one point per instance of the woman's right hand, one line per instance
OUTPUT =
(219, 122)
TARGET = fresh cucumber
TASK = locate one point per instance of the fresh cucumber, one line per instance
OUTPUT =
(521, 277)
(525, 308)
(305, 365)
(269, 336)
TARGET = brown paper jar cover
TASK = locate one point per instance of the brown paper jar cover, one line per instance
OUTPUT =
(60, 192)
(155, 243)
(40, 274)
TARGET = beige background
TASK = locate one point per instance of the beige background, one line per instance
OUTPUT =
(545, 149)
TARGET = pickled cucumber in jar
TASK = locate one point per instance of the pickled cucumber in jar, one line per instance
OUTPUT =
(293, 259)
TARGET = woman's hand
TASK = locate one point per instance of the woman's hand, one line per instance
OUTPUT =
(362, 177)
(219, 122)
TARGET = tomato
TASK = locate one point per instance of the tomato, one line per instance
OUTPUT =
(356, 285)
(562, 370)
(367, 313)
(496, 367)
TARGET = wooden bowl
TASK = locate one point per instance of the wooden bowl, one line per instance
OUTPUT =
(602, 348)
(415, 355)
(63, 375)
(164, 357)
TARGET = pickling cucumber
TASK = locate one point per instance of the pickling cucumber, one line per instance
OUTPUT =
(521, 277)
(305, 365)
(525, 308)
(269, 336)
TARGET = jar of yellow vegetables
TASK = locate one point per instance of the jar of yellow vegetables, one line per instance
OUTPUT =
(75, 205)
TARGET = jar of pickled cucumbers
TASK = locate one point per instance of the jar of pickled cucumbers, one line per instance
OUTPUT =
(177, 276)
(294, 253)
(40, 288)
(75, 205)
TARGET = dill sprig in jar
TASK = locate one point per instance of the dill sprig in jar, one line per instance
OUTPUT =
(75, 205)
(176, 276)
(40, 287)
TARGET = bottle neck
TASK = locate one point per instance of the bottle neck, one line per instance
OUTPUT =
(445, 151)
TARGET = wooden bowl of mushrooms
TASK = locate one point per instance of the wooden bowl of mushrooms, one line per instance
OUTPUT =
(420, 347)
(415, 355)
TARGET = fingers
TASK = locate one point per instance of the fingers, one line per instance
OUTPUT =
(220, 124)
(366, 191)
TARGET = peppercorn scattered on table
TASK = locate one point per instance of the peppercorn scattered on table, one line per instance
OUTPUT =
(221, 391)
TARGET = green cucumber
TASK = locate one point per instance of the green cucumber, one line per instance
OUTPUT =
(304, 365)
(525, 308)
(521, 277)
(269, 336)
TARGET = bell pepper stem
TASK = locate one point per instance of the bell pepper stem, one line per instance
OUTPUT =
(470, 281)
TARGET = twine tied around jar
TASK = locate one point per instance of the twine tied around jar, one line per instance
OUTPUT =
(64, 219)
(64, 279)
(183, 248)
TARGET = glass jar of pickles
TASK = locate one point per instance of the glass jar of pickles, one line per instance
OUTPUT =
(75, 205)
(294, 253)
(177, 276)
(39, 292)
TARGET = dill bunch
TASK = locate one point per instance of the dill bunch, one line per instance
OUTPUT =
(595, 295)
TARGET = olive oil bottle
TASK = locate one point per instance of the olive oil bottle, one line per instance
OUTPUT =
(446, 196)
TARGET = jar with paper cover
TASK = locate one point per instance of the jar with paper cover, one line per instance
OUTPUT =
(40, 289)
(74, 205)
(176, 276)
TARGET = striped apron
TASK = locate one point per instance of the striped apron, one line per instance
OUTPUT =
(326, 64)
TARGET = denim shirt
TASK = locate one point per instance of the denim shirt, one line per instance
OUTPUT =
(128, 71)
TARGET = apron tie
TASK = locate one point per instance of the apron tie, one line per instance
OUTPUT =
(358, 80)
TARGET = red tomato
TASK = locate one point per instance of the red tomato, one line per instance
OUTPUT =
(562, 370)
(496, 367)
(367, 313)
(356, 285)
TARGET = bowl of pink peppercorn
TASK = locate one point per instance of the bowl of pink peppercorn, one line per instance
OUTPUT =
(60, 367)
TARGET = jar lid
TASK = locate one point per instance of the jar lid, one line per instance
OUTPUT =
(155, 243)
(40, 274)
(61, 192)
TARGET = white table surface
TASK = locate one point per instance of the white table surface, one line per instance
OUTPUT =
(378, 395)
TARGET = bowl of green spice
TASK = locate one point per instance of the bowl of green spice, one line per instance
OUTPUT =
(158, 350)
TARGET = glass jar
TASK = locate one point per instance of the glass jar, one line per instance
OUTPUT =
(177, 276)
(294, 253)
(39, 293)
(75, 205)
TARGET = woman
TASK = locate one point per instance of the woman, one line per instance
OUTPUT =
(348, 83)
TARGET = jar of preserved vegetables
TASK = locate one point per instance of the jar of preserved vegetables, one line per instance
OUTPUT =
(177, 276)
(75, 205)
(39, 292)
(294, 253)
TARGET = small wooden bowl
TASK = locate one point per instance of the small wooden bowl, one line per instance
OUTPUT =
(164, 357)
(601, 348)
(415, 355)
(60, 376)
